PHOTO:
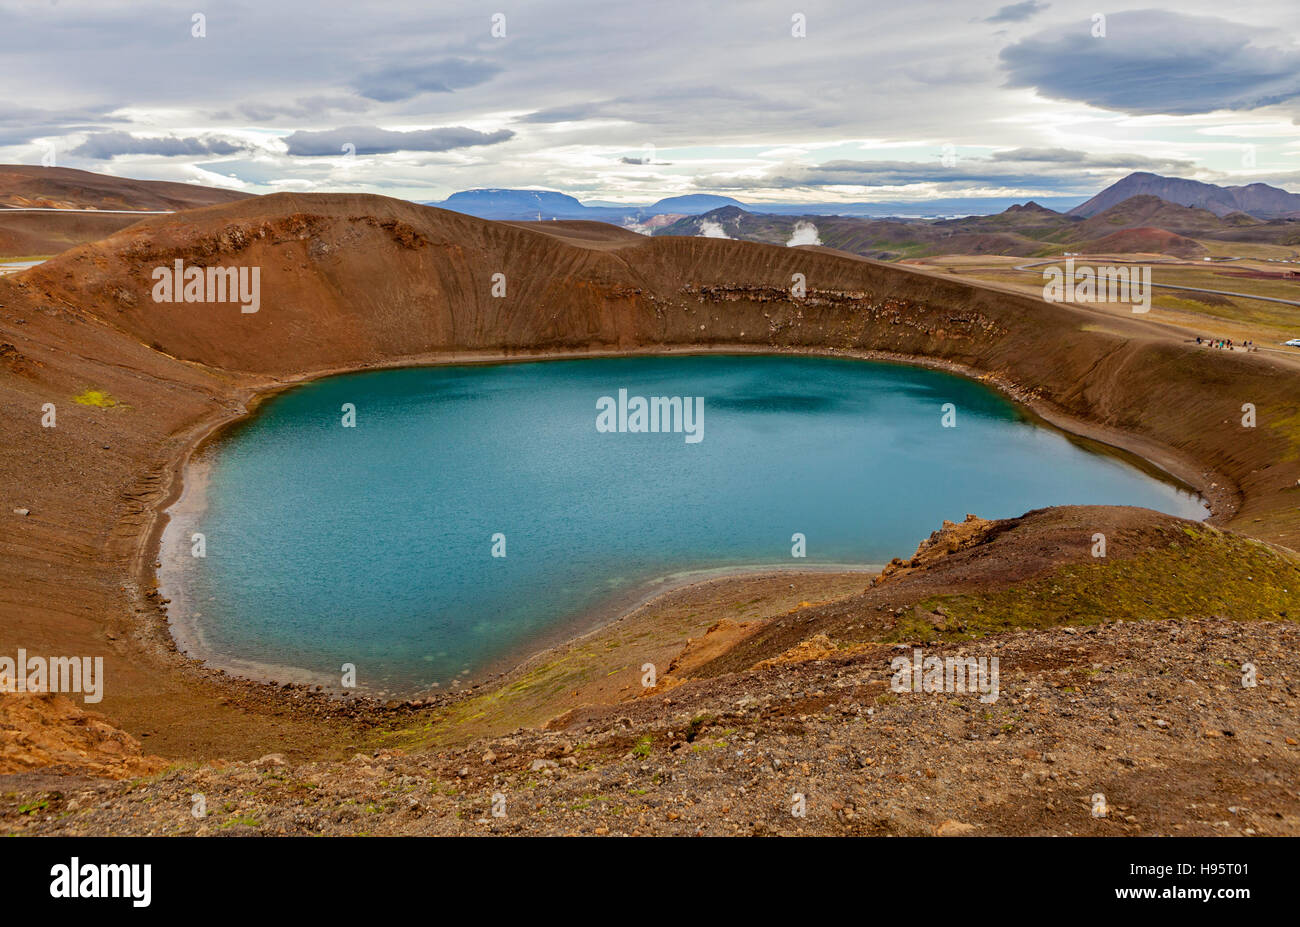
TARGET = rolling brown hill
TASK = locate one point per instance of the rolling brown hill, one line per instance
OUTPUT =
(1185, 222)
(42, 233)
(1145, 241)
(1145, 212)
(29, 233)
(23, 185)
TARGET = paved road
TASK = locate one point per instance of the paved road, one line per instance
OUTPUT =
(125, 212)
(1174, 286)
(1288, 356)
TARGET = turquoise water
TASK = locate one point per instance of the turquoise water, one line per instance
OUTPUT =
(373, 545)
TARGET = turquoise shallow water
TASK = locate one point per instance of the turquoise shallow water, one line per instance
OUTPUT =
(373, 545)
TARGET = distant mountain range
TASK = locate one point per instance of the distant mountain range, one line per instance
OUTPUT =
(1143, 213)
(1256, 199)
(1139, 224)
(546, 204)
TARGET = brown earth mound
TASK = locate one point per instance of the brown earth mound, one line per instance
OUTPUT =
(949, 539)
(582, 233)
(1145, 241)
(65, 188)
(24, 234)
(37, 731)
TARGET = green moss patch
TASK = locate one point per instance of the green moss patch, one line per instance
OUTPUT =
(95, 397)
(1195, 572)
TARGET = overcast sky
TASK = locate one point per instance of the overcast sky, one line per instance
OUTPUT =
(630, 101)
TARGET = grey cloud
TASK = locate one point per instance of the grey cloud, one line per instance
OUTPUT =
(574, 113)
(22, 124)
(1017, 12)
(401, 82)
(103, 146)
(302, 108)
(900, 173)
(665, 106)
(1153, 61)
(1055, 170)
(373, 140)
(1083, 158)
(721, 84)
(1289, 180)
(1052, 155)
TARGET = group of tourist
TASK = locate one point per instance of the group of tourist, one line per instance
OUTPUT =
(1226, 344)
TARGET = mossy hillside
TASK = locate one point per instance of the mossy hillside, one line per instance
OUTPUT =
(533, 695)
(1187, 572)
(602, 667)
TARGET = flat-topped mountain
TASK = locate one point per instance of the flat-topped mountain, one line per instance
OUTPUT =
(498, 203)
(518, 204)
(693, 203)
